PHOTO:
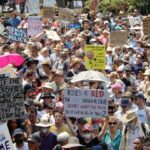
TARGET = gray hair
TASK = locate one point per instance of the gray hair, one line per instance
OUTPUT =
(63, 137)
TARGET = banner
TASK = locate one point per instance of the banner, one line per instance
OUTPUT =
(134, 21)
(77, 4)
(49, 12)
(11, 99)
(146, 26)
(66, 14)
(18, 35)
(49, 3)
(5, 139)
(118, 38)
(33, 6)
(95, 57)
(85, 103)
(34, 25)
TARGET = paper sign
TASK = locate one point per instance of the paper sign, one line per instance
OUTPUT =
(85, 103)
(33, 7)
(5, 139)
(49, 12)
(11, 99)
(53, 35)
(118, 38)
(134, 21)
(66, 14)
(94, 57)
(18, 35)
(146, 26)
(77, 3)
(49, 3)
(34, 25)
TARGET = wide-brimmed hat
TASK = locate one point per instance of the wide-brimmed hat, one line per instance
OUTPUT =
(48, 86)
(109, 49)
(73, 142)
(44, 122)
(46, 62)
(74, 61)
(59, 72)
(147, 72)
(129, 116)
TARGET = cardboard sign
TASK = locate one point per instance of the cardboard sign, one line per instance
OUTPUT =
(5, 139)
(77, 3)
(134, 21)
(49, 3)
(146, 26)
(66, 14)
(118, 38)
(18, 35)
(95, 57)
(33, 6)
(85, 103)
(49, 12)
(11, 99)
(34, 25)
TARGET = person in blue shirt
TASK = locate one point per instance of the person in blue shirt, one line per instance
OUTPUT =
(13, 21)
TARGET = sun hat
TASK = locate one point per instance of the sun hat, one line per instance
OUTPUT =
(48, 86)
(129, 116)
(63, 137)
(59, 72)
(87, 127)
(74, 61)
(44, 122)
(46, 62)
(117, 86)
(18, 131)
(73, 142)
(147, 72)
(34, 138)
(109, 49)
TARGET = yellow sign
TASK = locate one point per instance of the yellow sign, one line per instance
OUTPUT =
(95, 57)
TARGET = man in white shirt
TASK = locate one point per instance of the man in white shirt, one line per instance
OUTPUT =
(143, 112)
(19, 140)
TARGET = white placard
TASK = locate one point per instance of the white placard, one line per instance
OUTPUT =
(78, 4)
(49, 3)
(33, 6)
(134, 21)
(85, 103)
(5, 139)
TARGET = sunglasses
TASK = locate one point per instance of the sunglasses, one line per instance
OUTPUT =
(112, 123)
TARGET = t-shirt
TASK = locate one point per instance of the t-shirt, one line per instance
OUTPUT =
(25, 146)
(63, 128)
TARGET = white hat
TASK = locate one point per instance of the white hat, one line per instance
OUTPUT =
(73, 142)
(97, 20)
(45, 49)
(147, 72)
(44, 122)
(109, 49)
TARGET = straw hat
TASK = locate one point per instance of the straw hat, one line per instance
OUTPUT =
(72, 142)
(147, 72)
(129, 116)
(44, 122)
(46, 62)
(74, 61)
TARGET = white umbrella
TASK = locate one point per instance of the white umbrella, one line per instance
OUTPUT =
(90, 76)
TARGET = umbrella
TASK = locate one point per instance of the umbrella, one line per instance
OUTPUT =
(14, 59)
(90, 76)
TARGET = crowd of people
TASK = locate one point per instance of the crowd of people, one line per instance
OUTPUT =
(49, 67)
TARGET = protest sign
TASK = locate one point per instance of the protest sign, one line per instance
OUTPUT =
(146, 26)
(53, 35)
(77, 4)
(66, 14)
(85, 103)
(49, 12)
(118, 38)
(5, 139)
(11, 99)
(33, 7)
(18, 35)
(134, 21)
(49, 3)
(95, 57)
(34, 25)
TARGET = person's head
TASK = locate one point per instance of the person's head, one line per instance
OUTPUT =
(44, 52)
(18, 136)
(116, 88)
(109, 50)
(75, 63)
(138, 143)
(58, 116)
(139, 99)
(128, 70)
(34, 142)
(34, 51)
(80, 123)
(59, 77)
(113, 76)
(125, 104)
(62, 138)
(112, 124)
(87, 132)
(32, 112)
(12, 124)
(29, 75)
(58, 49)
(106, 33)
(120, 72)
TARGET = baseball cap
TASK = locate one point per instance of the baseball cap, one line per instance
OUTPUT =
(125, 102)
(139, 95)
(18, 131)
